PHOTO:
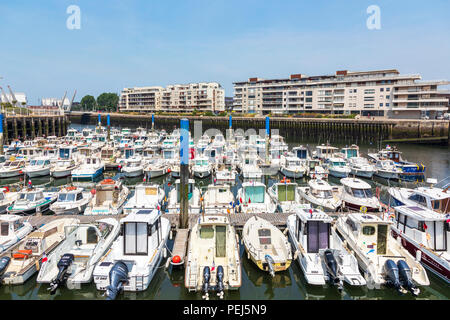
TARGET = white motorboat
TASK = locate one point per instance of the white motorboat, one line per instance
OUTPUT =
(320, 251)
(212, 260)
(292, 167)
(218, 199)
(433, 198)
(90, 168)
(316, 170)
(72, 263)
(30, 201)
(135, 255)
(109, 198)
(12, 230)
(71, 200)
(382, 259)
(425, 234)
(224, 175)
(201, 168)
(12, 168)
(357, 194)
(33, 249)
(338, 167)
(266, 245)
(146, 196)
(249, 167)
(173, 205)
(63, 168)
(322, 195)
(156, 168)
(325, 152)
(253, 198)
(38, 167)
(7, 198)
(132, 167)
(360, 166)
(387, 169)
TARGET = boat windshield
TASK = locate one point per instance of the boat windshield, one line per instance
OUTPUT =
(254, 194)
(66, 197)
(27, 196)
(338, 164)
(322, 194)
(362, 193)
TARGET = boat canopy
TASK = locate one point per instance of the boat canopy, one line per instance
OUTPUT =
(254, 194)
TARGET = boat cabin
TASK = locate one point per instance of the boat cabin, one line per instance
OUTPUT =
(323, 151)
(29, 152)
(424, 226)
(320, 189)
(141, 233)
(301, 152)
(285, 191)
(67, 152)
(350, 152)
(9, 224)
(357, 188)
(254, 193)
(30, 195)
(432, 198)
(191, 184)
(313, 229)
(370, 232)
(129, 152)
(70, 194)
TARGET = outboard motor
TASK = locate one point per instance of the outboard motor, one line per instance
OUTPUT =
(406, 277)
(118, 276)
(205, 287)
(63, 265)
(392, 276)
(332, 268)
(4, 262)
(220, 286)
(270, 264)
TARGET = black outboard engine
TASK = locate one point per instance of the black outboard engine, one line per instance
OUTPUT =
(4, 262)
(332, 268)
(63, 265)
(205, 287)
(270, 264)
(392, 276)
(406, 277)
(118, 276)
(220, 286)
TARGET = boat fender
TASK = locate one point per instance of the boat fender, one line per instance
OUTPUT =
(205, 286)
(4, 262)
(63, 265)
(406, 277)
(392, 275)
(118, 276)
(220, 286)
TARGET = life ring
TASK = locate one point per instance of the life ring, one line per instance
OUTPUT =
(116, 194)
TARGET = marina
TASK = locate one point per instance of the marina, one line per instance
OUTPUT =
(255, 194)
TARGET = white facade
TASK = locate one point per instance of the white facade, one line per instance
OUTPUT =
(54, 102)
(384, 93)
(174, 98)
(21, 98)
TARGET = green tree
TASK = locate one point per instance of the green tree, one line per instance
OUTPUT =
(88, 103)
(108, 101)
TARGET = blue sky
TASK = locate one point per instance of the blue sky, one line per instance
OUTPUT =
(136, 43)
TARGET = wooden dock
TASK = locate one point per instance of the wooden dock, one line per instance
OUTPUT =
(180, 244)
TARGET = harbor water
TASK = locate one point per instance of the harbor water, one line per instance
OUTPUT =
(256, 285)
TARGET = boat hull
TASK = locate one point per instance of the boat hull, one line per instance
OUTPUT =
(292, 174)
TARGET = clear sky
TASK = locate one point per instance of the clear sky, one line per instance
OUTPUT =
(149, 42)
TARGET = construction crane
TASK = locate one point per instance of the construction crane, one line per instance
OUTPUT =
(14, 100)
(61, 108)
(71, 102)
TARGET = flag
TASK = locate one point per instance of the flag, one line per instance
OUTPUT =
(425, 227)
(311, 212)
(240, 199)
(44, 258)
(213, 266)
(249, 201)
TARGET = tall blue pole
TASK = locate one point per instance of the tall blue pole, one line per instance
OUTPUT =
(184, 173)
(108, 123)
(153, 121)
(99, 120)
(230, 125)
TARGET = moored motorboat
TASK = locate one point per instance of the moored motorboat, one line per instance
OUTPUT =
(109, 198)
(357, 194)
(13, 230)
(71, 200)
(30, 201)
(266, 245)
(321, 194)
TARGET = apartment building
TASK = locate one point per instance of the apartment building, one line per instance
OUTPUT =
(174, 98)
(382, 93)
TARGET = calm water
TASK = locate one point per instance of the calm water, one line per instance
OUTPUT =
(257, 285)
